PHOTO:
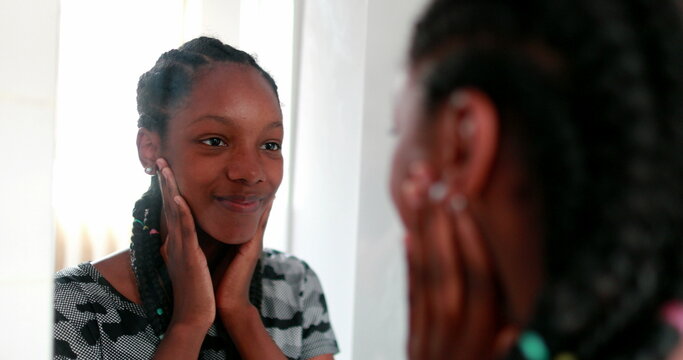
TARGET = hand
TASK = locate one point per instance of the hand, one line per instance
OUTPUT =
(233, 275)
(453, 289)
(193, 297)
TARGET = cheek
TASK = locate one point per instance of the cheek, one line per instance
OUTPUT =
(274, 173)
(194, 177)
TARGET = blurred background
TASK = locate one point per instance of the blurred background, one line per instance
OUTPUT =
(70, 172)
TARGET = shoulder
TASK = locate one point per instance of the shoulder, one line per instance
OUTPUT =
(75, 327)
(281, 266)
(71, 284)
(79, 293)
(289, 280)
(278, 265)
(294, 309)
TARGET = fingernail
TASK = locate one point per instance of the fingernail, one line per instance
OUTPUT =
(420, 172)
(437, 191)
(177, 200)
(411, 194)
(160, 164)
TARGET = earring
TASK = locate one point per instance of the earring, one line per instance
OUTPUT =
(149, 170)
(437, 191)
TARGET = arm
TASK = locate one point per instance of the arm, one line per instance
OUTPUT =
(180, 342)
(250, 336)
(323, 357)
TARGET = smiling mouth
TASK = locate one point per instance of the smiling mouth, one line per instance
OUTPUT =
(241, 204)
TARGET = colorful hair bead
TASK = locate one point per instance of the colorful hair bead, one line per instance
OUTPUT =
(533, 347)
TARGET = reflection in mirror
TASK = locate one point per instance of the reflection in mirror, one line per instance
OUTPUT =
(211, 135)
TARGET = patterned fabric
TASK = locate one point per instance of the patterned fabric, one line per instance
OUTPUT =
(94, 321)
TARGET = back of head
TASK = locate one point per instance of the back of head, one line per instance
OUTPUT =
(592, 89)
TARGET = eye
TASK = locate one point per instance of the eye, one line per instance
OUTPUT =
(271, 146)
(214, 141)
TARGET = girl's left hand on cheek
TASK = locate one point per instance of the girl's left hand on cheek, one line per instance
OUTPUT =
(453, 292)
(235, 272)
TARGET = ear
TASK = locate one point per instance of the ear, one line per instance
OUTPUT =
(467, 141)
(149, 146)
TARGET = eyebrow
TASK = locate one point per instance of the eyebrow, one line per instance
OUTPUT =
(230, 122)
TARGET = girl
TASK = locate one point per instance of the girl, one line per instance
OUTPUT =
(196, 281)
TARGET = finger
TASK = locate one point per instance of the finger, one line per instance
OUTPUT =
(446, 276)
(169, 207)
(244, 262)
(169, 177)
(505, 340)
(164, 251)
(263, 220)
(419, 281)
(188, 231)
(416, 298)
(252, 248)
(482, 314)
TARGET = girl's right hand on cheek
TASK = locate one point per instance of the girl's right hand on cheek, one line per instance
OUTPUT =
(193, 297)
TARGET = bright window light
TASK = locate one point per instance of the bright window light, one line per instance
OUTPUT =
(104, 47)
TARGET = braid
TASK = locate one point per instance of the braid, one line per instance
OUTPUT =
(148, 266)
(611, 183)
(161, 91)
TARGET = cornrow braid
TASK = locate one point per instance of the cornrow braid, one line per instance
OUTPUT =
(593, 90)
(148, 266)
(162, 90)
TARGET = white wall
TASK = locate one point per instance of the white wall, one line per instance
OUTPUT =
(328, 139)
(380, 320)
(29, 33)
(343, 222)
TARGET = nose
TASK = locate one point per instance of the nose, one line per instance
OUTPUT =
(245, 167)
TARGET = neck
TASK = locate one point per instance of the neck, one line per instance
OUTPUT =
(213, 250)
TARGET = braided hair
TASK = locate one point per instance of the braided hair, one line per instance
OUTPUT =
(160, 91)
(593, 89)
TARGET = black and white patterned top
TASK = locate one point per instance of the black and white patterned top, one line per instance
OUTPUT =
(94, 321)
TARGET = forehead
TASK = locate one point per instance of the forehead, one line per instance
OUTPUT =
(230, 90)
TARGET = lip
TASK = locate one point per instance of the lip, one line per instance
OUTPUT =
(241, 203)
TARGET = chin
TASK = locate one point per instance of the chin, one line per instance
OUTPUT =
(237, 236)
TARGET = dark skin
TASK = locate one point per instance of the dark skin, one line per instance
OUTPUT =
(474, 269)
(219, 166)
(473, 246)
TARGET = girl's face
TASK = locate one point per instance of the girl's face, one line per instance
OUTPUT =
(224, 147)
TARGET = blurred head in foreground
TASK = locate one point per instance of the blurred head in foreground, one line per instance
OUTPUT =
(544, 141)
